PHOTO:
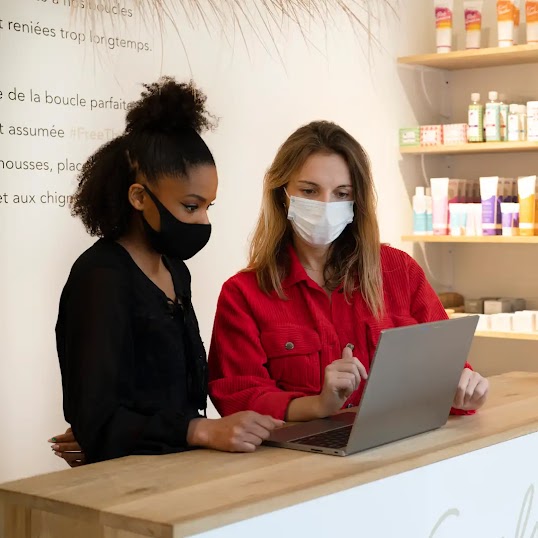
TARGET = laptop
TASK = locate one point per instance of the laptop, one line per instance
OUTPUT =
(410, 390)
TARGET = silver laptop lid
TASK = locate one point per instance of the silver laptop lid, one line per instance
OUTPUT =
(412, 382)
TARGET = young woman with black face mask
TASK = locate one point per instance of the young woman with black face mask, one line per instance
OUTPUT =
(134, 371)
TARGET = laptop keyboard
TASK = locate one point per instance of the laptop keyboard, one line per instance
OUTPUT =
(332, 439)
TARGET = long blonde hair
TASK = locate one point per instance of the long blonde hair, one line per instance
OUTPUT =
(354, 258)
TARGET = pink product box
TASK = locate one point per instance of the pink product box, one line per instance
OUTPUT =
(455, 133)
(431, 135)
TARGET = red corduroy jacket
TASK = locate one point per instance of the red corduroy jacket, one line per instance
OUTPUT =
(266, 351)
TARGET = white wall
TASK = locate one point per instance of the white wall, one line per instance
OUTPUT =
(340, 76)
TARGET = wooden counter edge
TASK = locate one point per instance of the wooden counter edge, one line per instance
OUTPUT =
(217, 519)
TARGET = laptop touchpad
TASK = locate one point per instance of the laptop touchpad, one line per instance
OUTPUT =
(303, 429)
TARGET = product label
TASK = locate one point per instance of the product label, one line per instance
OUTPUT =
(532, 12)
(429, 222)
(532, 125)
(440, 217)
(409, 138)
(473, 19)
(504, 121)
(458, 219)
(475, 132)
(508, 223)
(513, 127)
(443, 17)
(419, 223)
(527, 214)
(431, 136)
(493, 130)
(505, 10)
(490, 216)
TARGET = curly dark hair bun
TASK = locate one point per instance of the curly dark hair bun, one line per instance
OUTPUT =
(161, 139)
(168, 106)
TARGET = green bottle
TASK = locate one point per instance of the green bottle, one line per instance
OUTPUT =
(475, 132)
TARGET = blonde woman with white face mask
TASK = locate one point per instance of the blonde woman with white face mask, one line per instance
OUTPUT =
(295, 333)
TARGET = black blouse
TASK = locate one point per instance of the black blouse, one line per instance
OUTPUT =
(133, 366)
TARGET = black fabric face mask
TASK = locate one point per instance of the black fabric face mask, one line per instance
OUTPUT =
(176, 239)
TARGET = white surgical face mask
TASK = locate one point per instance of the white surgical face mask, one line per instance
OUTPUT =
(319, 223)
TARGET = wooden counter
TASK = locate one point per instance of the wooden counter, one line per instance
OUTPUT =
(185, 494)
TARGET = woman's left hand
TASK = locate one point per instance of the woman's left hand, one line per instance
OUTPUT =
(472, 391)
(65, 446)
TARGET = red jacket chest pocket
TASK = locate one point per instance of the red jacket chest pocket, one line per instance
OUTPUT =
(293, 357)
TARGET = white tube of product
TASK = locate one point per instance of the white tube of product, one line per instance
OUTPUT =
(429, 212)
(505, 22)
(517, 17)
(490, 190)
(439, 189)
(526, 187)
(531, 11)
(510, 218)
(444, 10)
(419, 212)
(532, 121)
(473, 23)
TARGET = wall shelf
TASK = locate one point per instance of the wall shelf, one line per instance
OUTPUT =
(507, 336)
(494, 239)
(473, 59)
(471, 148)
(501, 335)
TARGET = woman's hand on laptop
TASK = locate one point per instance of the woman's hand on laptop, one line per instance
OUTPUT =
(342, 379)
(241, 432)
(472, 391)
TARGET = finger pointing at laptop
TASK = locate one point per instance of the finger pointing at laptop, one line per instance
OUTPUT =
(342, 379)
